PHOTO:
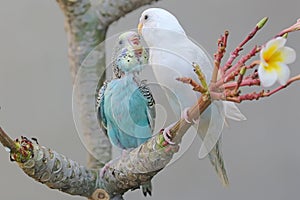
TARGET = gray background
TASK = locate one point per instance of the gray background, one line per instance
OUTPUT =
(261, 153)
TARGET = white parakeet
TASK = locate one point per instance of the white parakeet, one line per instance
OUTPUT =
(171, 56)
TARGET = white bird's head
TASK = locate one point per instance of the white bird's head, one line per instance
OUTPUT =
(154, 19)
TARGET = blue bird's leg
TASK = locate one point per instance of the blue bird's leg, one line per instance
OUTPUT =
(105, 168)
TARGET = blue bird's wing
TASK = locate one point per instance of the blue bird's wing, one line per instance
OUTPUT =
(100, 108)
(126, 113)
(151, 112)
(142, 113)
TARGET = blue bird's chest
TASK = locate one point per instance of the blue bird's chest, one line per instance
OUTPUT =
(126, 113)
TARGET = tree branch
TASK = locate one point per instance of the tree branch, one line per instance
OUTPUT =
(112, 10)
(125, 173)
(53, 169)
(84, 34)
(6, 141)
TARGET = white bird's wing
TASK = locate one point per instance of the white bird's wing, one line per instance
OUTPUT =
(211, 128)
(233, 112)
(217, 113)
(213, 119)
(171, 60)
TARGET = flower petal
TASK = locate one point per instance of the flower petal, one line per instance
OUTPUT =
(267, 78)
(289, 55)
(277, 42)
(261, 54)
(283, 73)
(271, 47)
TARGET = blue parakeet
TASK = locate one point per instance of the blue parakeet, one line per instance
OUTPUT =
(126, 108)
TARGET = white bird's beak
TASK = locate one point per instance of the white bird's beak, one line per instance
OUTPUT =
(140, 27)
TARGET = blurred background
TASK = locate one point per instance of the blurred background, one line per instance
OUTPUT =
(261, 154)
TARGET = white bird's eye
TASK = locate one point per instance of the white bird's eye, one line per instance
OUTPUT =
(146, 17)
(120, 42)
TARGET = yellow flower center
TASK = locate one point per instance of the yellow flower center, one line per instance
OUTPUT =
(272, 57)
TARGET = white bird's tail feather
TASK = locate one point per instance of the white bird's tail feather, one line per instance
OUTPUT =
(210, 129)
(216, 159)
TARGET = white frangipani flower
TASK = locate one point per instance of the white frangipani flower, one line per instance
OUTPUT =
(274, 58)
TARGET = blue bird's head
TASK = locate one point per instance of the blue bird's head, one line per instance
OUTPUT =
(131, 56)
(129, 39)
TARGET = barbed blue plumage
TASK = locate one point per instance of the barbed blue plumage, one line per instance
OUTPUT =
(126, 108)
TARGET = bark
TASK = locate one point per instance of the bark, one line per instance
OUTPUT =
(58, 172)
(128, 172)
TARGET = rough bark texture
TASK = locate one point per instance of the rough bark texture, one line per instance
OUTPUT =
(84, 34)
(138, 167)
(128, 173)
(59, 172)
(122, 174)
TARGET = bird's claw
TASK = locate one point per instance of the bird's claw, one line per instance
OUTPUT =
(196, 121)
(167, 135)
(104, 169)
(185, 115)
(125, 152)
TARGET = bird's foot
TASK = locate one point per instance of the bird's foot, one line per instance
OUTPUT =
(125, 152)
(185, 115)
(196, 121)
(105, 168)
(167, 135)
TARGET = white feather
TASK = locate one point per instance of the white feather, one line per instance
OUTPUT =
(171, 56)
